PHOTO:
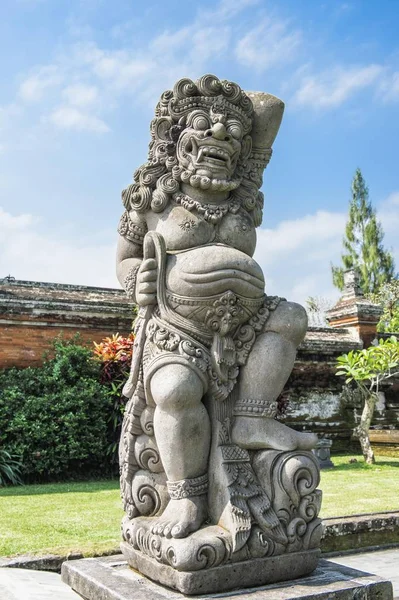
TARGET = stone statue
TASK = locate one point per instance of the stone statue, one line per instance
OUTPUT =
(209, 478)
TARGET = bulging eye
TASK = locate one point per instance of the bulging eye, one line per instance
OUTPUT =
(198, 120)
(234, 129)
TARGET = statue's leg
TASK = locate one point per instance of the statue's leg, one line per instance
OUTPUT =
(262, 380)
(182, 433)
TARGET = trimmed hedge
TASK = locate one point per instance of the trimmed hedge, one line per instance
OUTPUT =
(55, 418)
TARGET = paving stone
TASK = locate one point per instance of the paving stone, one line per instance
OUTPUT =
(384, 563)
(22, 584)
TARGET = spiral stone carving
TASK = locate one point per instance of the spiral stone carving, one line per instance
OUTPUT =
(147, 420)
(293, 478)
(149, 492)
(147, 454)
(200, 554)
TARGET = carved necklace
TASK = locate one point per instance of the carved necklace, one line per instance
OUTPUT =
(212, 213)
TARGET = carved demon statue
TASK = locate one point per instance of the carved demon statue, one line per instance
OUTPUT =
(204, 464)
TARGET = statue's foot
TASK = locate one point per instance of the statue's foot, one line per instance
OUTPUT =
(256, 433)
(182, 517)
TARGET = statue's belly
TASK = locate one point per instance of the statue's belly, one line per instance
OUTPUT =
(214, 269)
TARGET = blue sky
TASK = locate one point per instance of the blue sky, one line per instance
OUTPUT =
(80, 79)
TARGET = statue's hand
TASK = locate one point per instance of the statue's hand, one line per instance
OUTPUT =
(146, 290)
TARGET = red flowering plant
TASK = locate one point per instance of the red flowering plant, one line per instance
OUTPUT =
(115, 356)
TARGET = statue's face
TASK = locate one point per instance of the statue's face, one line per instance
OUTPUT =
(210, 145)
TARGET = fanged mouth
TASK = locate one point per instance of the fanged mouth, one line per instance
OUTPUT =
(211, 154)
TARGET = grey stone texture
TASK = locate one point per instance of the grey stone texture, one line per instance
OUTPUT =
(112, 579)
(360, 531)
(208, 476)
(225, 577)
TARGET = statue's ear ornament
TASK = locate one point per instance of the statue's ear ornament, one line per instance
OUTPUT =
(246, 147)
(162, 127)
(174, 132)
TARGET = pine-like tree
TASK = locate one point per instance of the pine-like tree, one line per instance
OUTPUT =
(362, 243)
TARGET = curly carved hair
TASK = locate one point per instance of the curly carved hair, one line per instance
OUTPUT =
(158, 179)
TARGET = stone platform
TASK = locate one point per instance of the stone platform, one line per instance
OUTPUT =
(223, 577)
(110, 578)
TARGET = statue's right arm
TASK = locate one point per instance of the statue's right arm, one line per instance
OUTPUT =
(128, 256)
(138, 277)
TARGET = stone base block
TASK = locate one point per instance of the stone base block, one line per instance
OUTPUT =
(228, 576)
(110, 578)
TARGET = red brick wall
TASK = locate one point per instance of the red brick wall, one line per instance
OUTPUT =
(33, 313)
(24, 346)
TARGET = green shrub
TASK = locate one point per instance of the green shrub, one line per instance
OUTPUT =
(55, 417)
(10, 468)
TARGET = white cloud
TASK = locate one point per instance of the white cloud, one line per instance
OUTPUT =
(7, 112)
(168, 56)
(227, 9)
(208, 42)
(80, 94)
(88, 74)
(293, 235)
(392, 200)
(27, 254)
(121, 70)
(389, 88)
(333, 87)
(197, 44)
(345, 7)
(68, 117)
(268, 45)
(388, 214)
(296, 255)
(7, 116)
(77, 29)
(10, 224)
(170, 41)
(34, 87)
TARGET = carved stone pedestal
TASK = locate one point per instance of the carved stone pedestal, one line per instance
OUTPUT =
(228, 576)
(110, 578)
(217, 558)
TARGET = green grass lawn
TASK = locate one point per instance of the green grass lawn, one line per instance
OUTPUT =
(60, 518)
(355, 488)
(85, 517)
